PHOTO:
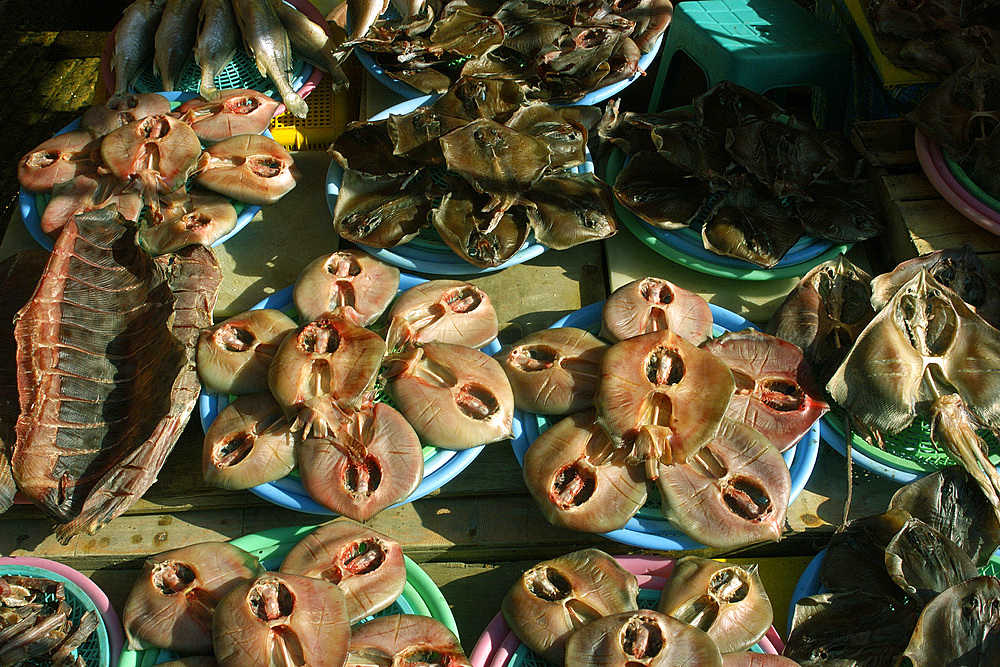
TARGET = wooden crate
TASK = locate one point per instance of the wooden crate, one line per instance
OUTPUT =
(920, 220)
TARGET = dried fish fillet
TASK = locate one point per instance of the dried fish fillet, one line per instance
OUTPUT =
(106, 369)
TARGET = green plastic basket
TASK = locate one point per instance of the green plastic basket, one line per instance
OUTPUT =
(966, 181)
(910, 450)
(241, 72)
(420, 595)
(96, 650)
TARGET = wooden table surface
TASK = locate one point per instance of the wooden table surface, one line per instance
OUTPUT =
(476, 534)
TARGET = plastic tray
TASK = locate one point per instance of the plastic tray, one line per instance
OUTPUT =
(685, 247)
(908, 455)
(440, 465)
(809, 583)
(329, 114)
(82, 596)
(241, 72)
(407, 91)
(32, 204)
(498, 646)
(932, 162)
(648, 529)
(428, 253)
(963, 178)
(420, 596)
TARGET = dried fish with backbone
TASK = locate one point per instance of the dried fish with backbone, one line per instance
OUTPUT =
(935, 358)
(108, 329)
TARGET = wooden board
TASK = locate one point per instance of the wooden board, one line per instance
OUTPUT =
(920, 220)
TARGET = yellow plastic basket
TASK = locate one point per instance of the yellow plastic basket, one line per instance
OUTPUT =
(328, 115)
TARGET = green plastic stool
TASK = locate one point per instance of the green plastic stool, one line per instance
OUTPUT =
(760, 45)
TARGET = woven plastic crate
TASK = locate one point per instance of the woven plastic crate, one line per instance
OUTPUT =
(96, 651)
(329, 114)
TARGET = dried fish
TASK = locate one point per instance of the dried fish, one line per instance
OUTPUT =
(654, 304)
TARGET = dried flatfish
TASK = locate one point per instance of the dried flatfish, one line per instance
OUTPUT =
(473, 97)
(368, 147)
(567, 139)
(579, 479)
(731, 493)
(961, 626)
(659, 192)
(694, 149)
(825, 313)
(554, 598)
(444, 311)
(934, 358)
(959, 269)
(727, 105)
(644, 637)
(381, 211)
(856, 556)
(725, 600)
(923, 562)
(248, 167)
(59, 159)
(121, 110)
(183, 219)
(353, 283)
(749, 224)
(482, 239)
(569, 209)
(950, 501)
(405, 639)
(466, 34)
(416, 135)
(117, 331)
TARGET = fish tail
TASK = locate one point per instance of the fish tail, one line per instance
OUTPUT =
(295, 103)
(952, 426)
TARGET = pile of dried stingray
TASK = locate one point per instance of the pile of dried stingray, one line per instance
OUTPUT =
(752, 178)
(105, 370)
(936, 35)
(37, 625)
(663, 403)
(905, 583)
(927, 347)
(482, 166)
(557, 50)
(962, 115)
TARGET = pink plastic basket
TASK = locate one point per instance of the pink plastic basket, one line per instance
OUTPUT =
(498, 644)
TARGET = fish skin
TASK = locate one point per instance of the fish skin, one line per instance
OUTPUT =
(175, 39)
(312, 43)
(364, 13)
(218, 41)
(265, 37)
(133, 41)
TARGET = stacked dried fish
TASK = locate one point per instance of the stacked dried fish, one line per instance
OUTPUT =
(929, 354)
(582, 609)
(479, 164)
(316, 395)
(556, 50)
(704, 419)
(905, 583)
(751, 178)
(170, 32)
(214, 599)
(936, 35)
(105, 364)
(37, 626)
(149, 162)
(962, 116)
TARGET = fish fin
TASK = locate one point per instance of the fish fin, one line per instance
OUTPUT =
(296, 105)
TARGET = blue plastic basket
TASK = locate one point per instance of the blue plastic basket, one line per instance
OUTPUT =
(428, 253)
(648, 529)
(440, 465)
(32, 204)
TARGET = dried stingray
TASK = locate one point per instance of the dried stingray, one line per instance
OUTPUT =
(381, 211)
(825, 313)
(750, 224)
(959, 627)
(18, 276)
(570, 209)
(106, 369)
(928, 354)
(959, 269)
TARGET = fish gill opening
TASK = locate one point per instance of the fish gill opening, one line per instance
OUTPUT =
(664, 366)
(781, 394)
(172, 577)
(463, 299)
(234, 338)
(153, 127)
(531, 358)
(642, 638)
(270, 600)
(362, 478)
(363, 557)
(547, 583)
(746, 498)
(342, 294)
(476, 401)
(730, 584)
(572, 486)
(343, 267)
(242, 105)
(265, 166)
(196, 220)
(286, 649)
(233, 450)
